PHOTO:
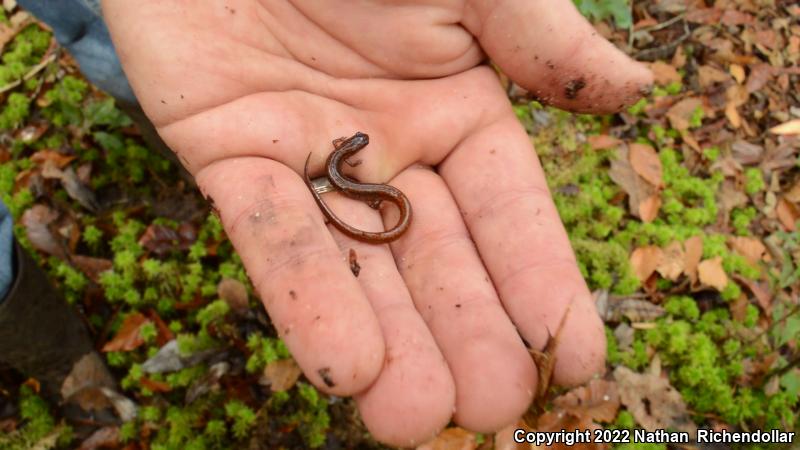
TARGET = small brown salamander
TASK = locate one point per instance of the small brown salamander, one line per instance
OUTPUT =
(371, 193)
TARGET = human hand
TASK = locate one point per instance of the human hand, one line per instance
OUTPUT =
(244, 90)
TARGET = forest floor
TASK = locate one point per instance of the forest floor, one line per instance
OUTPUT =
(683, 212)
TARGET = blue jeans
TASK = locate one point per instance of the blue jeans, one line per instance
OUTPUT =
(78, 26)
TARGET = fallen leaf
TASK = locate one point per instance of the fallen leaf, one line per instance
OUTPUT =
(452, 439)
(161, 239)
(636, 187)
(760, 292)
(127, 338)
(154, 386)
(712, 274)
(208, 382)
(760, 75)
(37, 221)
(737, 72)
(680, 113)
(59, 159)
(15, 24)
(791, 127)
(644, 261)
(746, 153)
(734, 17)
(664, 73)
(708, 76)
(646, 163)
(125, 407)
(106, 437)
(280, 375)
(649, 207)
(72, 184)
(598, 401)
(90, 266)
(603, 141)
(706, 16)
(504, 439)
(751, 248)
(234, 292)
(692, 253)
(624, 335)
(788, 213)
(793, 194)
(169, 358)
(652, 401)
(672, 261)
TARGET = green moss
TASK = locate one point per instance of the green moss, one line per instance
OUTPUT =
(754, 181)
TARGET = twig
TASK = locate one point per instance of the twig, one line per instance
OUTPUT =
(31, 73)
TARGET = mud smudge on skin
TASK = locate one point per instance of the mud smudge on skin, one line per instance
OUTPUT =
(573, 87)
(325, 374)
(354, 266)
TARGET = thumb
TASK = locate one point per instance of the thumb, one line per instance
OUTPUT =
(547, 47)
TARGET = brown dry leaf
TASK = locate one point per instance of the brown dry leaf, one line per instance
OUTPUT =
(37, 221)
(72, 184)
(603, 141)
(760, 292)
(59, 159)
(712, 274)
(760, 75)
(692, 253)
(15, 24)
(555, 421)
(127, 338)
(751, 248)
(504, 439)
(645, 162)
(644, 261)
(737, 72)
(680, 113)
(161, 239)
(649, 207)
(88, 371)
(793, 194)
(706, 16)
(664, 73)
(452, 439)
(672, 262)
(90, 266)
(790, 127)
(598, 401)
(155, 386)
(624, 176)
(708, 75)
(654, 403)
(106, 437)
(734, 17)
(788, 213)
(234, 293)
(280, 375)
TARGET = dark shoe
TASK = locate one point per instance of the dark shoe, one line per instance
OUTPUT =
(43, 337)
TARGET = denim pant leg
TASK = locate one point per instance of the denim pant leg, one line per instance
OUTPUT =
(6, 251)
(78, 26)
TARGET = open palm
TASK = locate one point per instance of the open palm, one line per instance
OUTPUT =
(430, 329)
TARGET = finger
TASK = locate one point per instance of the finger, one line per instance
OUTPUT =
(307, 288)
(494, 374)
(501, 190)
(549, 48)
(414, 395)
